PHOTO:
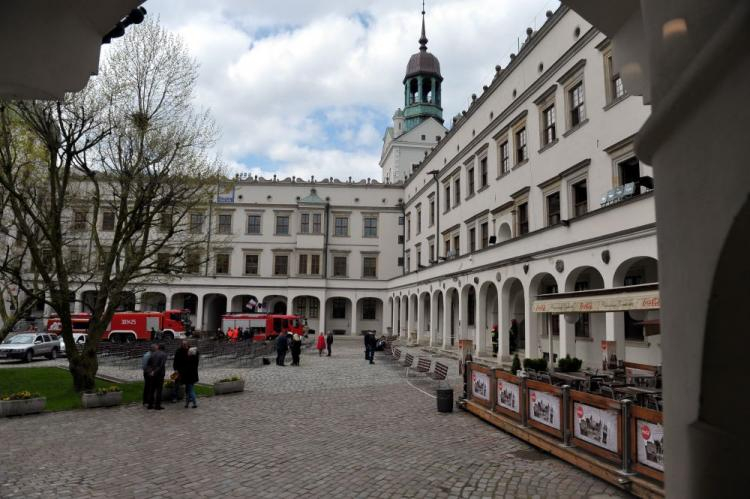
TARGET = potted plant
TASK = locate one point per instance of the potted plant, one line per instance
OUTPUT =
(539, 365)
(103, 397)
(232, 384)
(20, 403)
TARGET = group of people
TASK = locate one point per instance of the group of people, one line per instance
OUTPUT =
(288, 342)
(235, 334)
(185, 365)
(324, 342)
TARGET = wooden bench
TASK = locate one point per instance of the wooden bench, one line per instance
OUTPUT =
(440, 372)
(408, 360)
(423, 365)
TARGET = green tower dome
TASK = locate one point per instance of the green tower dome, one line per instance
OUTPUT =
(422, 85)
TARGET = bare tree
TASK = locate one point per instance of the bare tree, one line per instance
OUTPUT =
(127, 176)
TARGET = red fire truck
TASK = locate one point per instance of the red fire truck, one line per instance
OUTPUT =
(264, 326)
(132, 326)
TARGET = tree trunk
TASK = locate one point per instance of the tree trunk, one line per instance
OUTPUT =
(83, 367)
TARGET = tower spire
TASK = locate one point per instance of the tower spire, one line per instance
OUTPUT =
(423, 38)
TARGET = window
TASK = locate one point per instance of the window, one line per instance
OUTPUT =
(523, 218)
(432, 212)
(341, 227)
(447, 244)
(457, 191)
(548, 119)
(419, 255)
(303, 264)
(370, 266)
(485, 232)
(432, 252)
(483, 172)
(79, 220)
(196, 223)
(76, 260)
(401, 220)
(313, 307)
(281, 264)
(108, 220)
(304, 223)
(162, 263)
(408, 261)
(339, 266)
(225, 223)
(369, 308)
(522, 152)
(577, 110)
(615, 89)
(103, 256)
(253, 224)
(316, 223)
(630, 171)
(165, 222)
(338, 308)
(457, 244)
(470, 180)
(418, 216)
(447, 197)
(408, 227)
(582, 325)
(315, 264)
(504, 158)
(371, 226)
(472, 240)
(193, 263)
(251, 264)
(553, 209)
(471, 309)
(580, 198)
(282, 225)
(222, 263)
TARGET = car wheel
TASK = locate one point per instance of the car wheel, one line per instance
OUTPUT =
(53, 354)
(168, 336)
(29, 356)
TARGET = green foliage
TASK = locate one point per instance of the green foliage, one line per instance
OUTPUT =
(535, 364)
(231, 378)
(108, 389)
(568, 365)
(516, 366)
(22, 395)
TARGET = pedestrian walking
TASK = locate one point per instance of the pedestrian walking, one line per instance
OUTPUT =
(148, 390)
(189, 376)
(282, 343)
(156, 370)
(370, 346)
(321, 344)
(329, 342)
(178, 365)
(296, 349)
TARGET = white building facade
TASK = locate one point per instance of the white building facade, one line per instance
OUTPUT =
(534, 190)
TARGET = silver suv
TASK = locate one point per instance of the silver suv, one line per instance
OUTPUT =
(26, 346)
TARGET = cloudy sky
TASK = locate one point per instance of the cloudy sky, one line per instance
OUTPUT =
(307, 87)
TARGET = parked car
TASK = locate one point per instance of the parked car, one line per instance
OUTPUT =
(26, 346)
(79, 338)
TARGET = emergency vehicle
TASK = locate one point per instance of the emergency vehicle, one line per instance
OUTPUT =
(264, 326)
(133, 326)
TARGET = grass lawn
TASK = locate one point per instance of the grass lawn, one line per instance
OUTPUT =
(57, 385)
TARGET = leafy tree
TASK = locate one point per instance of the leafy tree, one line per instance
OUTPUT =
(126, 175)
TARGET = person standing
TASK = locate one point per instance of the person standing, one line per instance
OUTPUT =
(189, 376)
(296, 348)
(329, 341)
(282, 343)
(156, 367)
(370, 347)
(148, 390)
(321, 343)
(180, 357)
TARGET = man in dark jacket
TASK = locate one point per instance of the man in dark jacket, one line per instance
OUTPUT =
(329, 341)
(155, 368)
(180, 358)
(370, 347)
(282, 343)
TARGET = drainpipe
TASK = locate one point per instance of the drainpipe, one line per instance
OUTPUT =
(325, 246)
(403, 238)
(438, 242)
(210, 229)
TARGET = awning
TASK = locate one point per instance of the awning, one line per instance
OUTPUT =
(643, 297)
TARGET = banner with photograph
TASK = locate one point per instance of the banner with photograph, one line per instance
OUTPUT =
(595, 426)
(480, 385)
(545, 408)
(507, 395)
(650, 437)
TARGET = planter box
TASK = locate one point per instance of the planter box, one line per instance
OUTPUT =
(224, 387)
(93, 400)
(21, 407)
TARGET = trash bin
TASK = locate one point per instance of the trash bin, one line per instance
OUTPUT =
(445, 399)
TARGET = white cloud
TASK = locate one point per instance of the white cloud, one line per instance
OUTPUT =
(304, 87)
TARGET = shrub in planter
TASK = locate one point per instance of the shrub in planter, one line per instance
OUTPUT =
(568, 365)
(232, 384)
(535, 364)
(20, 403)
(103, 397)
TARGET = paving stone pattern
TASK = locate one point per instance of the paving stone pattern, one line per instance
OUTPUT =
(333, 427)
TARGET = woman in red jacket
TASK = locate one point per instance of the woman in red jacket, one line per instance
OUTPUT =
(321, 344)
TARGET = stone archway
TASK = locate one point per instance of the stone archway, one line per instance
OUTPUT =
(153, 302)
(513, 303)
(214, 307)
(487, 317)
(437, 313)
(545, 328)
(589, 329)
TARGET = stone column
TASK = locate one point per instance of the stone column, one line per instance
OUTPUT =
(530, 324)
(480, 324)
(567, 337)
(614, 324)
(420, 319)
(433, 98)
(447, 307)
(199, 314)
(402, 325)
(503, 326)
(434, 322)
(420, 97)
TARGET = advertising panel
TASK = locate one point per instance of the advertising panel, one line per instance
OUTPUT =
(595, 426)
(545, 408)
(650, 438)
(508, 395)
(480, 385)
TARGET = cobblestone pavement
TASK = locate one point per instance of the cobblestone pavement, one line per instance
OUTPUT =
(334, 427)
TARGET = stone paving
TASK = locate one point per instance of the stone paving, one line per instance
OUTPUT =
(333, 427)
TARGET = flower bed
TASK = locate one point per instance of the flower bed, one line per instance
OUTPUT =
(229, 385)
(20, 403)
(102, 397)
